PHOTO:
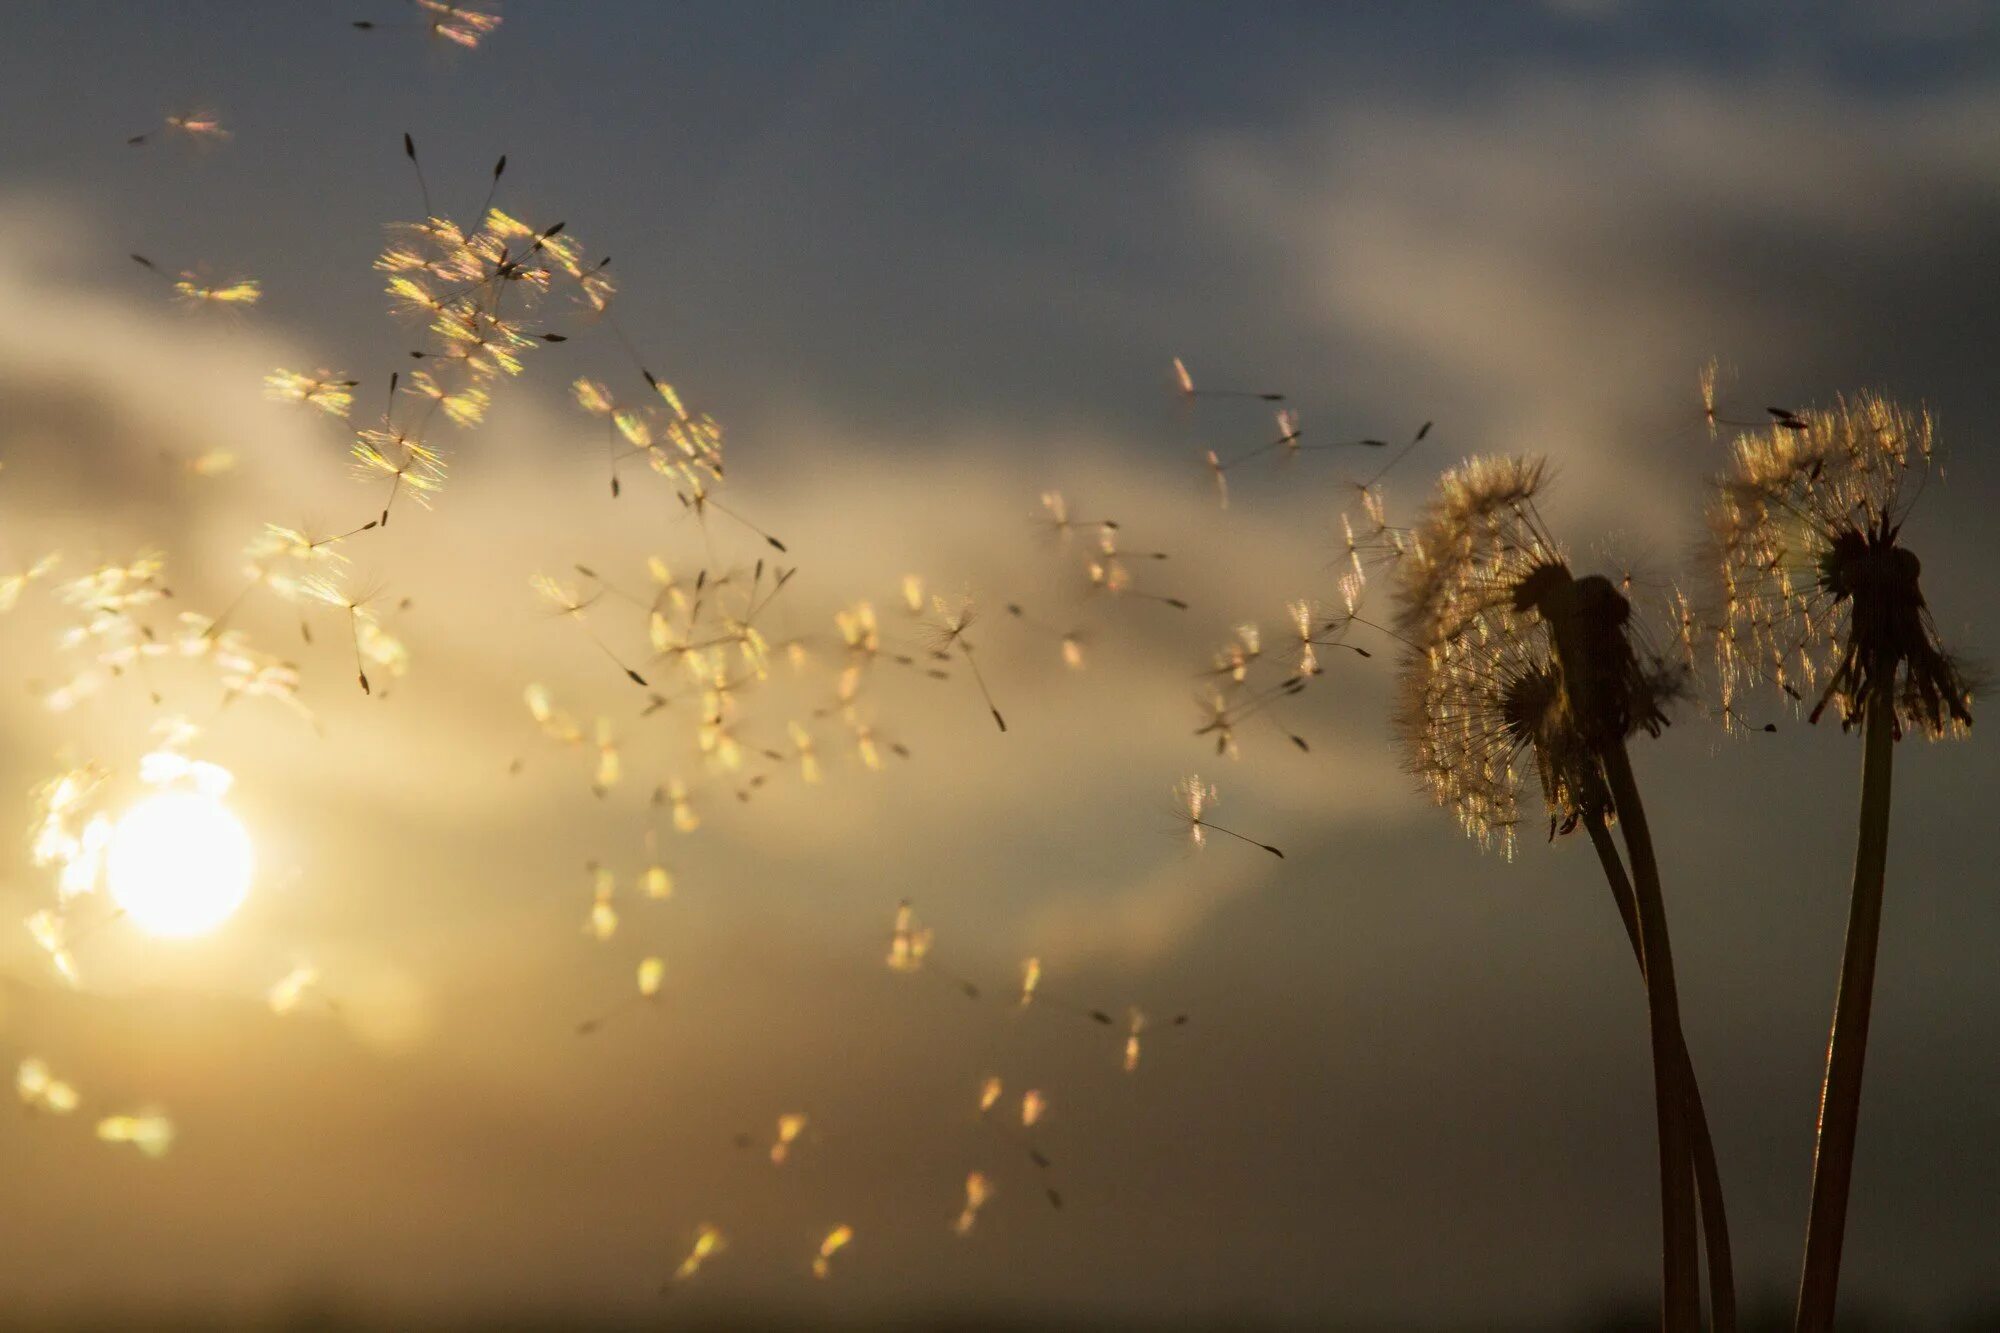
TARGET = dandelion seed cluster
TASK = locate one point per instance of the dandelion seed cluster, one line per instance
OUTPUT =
(1820, 593)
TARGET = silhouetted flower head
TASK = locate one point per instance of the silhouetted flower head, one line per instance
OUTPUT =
(1514, 660)
(1820, 596)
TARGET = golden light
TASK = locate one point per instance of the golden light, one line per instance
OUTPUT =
(179, 864)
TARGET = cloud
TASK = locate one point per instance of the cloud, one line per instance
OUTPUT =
(1555, 260)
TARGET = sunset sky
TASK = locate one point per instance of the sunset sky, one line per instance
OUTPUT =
(924, 264)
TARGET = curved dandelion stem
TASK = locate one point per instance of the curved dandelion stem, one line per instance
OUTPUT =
(1707, 1174)
(1847, 1048)
(1682, 1280)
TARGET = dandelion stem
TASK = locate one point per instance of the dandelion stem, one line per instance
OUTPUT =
(1707, 1175)
(1682, 1278)
(1847, 1048)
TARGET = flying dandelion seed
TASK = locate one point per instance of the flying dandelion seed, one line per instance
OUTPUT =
(708, 1242)
(151, 1133)
(651, 975)
(1135, 1023)
(570, 604)
(15, 584)
(1192, 800)
(286, 994)
(602, 923)
(790, 1126)
(948, 628)
(410, 466)
(39, 1090)
(1185, 385)
(463, 407)
(908, 943)
(202, 128)
(323, 389)
(51, 936)
(978, 1189)
(195, 290)
(356, 605)
(1031, 979)
(836, 1240)
(1033, 1106)
(675, 795)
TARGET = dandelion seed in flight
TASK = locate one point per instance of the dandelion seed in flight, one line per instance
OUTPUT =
(13, 585)
(978, 1189)
(708, 1242)
(570, 604)
(675, 795)
(1193, 799)
(948, 634)
(50, 935)
(355, 604)
(790, 1126)
(908, 942)
(836, 1240)
(325, 390)
(1031, 979)
(602, 923)
(1185, 385)
(151, 1133)
(463, 25)
(289, 990)
(609, 766)
(1033, 1106)
(40, 1090)
(652, 972)
(236, 292)
(198, 127)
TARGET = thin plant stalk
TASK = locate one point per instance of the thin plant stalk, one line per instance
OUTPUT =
(1573, 631)
(1847, 1048)
(1707, 1173)
(1682, 1279)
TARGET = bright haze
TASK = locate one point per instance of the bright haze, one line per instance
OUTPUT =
(924, 264)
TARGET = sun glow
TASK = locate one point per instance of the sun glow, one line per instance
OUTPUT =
(179, 864)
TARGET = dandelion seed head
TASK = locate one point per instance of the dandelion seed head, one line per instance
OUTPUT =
(1488, 603)
(1817, 585)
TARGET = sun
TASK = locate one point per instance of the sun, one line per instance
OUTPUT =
(179, 864)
